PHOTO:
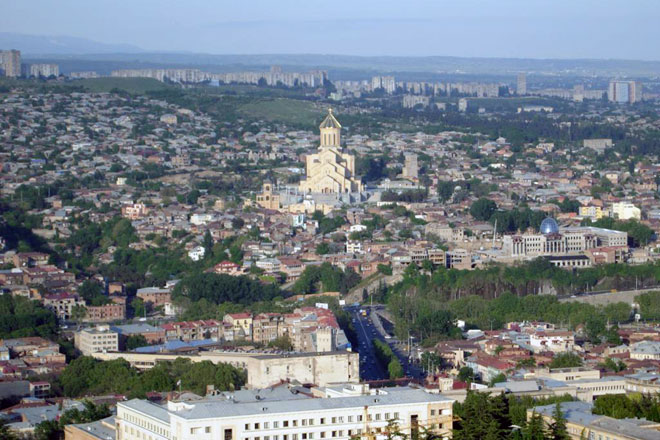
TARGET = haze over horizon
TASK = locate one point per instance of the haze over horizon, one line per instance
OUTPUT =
(563, 29)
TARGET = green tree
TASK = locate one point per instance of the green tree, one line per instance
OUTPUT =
(557, 429)
(322, 248)
(483, 209)
(465, 374)
(534, 428)
(395, 369)
(497, 379)
(566, 360)
(46, 430)
(207, 243)
(135, 341)
(282, 343)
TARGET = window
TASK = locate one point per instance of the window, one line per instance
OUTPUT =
(359, 418)
(276, 424)
(432, 412)
(334, 434)
(378, 416)
(247, 426)
(207, 429)
(295, 423)
(322, 421)
(310, 422)
(285, 424)
(340, 419)
(322, 434)
(256, 426)
(334, 420)
(396, 415)
(350, 419)
(304, 422)
(304, 436)
(387, 416)
(266, 425)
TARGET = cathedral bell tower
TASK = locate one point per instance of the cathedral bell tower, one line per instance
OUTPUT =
(330, 132)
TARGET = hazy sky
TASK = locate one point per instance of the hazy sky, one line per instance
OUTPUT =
(485, 28)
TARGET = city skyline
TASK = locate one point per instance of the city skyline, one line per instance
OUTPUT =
(597, 30)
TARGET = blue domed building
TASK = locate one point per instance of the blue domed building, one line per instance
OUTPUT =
(549, 226)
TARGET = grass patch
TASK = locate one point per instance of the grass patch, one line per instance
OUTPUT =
(288, 111)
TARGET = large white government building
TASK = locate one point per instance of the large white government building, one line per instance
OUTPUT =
(553, 241)
(284, 413)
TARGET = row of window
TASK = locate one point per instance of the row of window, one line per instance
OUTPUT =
(329, 434)
(160, 430)
(321, 421)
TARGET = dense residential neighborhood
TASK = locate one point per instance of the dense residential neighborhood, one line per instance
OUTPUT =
(280, 254)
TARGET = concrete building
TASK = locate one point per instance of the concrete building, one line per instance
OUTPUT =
(645, 350)
(103, 429)
(96, 339)
(555, 341)
(462, 105)
(581, 423)
(598, 145)
(268, 199)
(551, 241)
(626, 211)
(521, 84)
(106, 313)
(624, 92)
(331, 170)
(411, 101)
(44, 70)
(134, 211)
(264, 369)
(10, 63)
(411, 167)
(335, 413)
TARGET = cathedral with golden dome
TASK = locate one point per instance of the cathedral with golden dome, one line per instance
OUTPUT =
(331, 170)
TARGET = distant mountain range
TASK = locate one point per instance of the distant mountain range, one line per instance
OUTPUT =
(74, 53)
(60, 45)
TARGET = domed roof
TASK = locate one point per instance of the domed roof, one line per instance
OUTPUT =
(549, 226)
(330, 121)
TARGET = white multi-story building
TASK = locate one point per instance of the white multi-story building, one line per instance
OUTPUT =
(567, 241)
(626, 211)
(44, 70)
(333, 413)
(96, 340)
(555, 341)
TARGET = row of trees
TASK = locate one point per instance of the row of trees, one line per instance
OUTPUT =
(427, 304)
(221, 288)
(622, 406)
(485, 417)
(87, 376)
(325, 278)
(388, 359)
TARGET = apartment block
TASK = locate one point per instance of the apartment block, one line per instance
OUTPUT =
(96, 340)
